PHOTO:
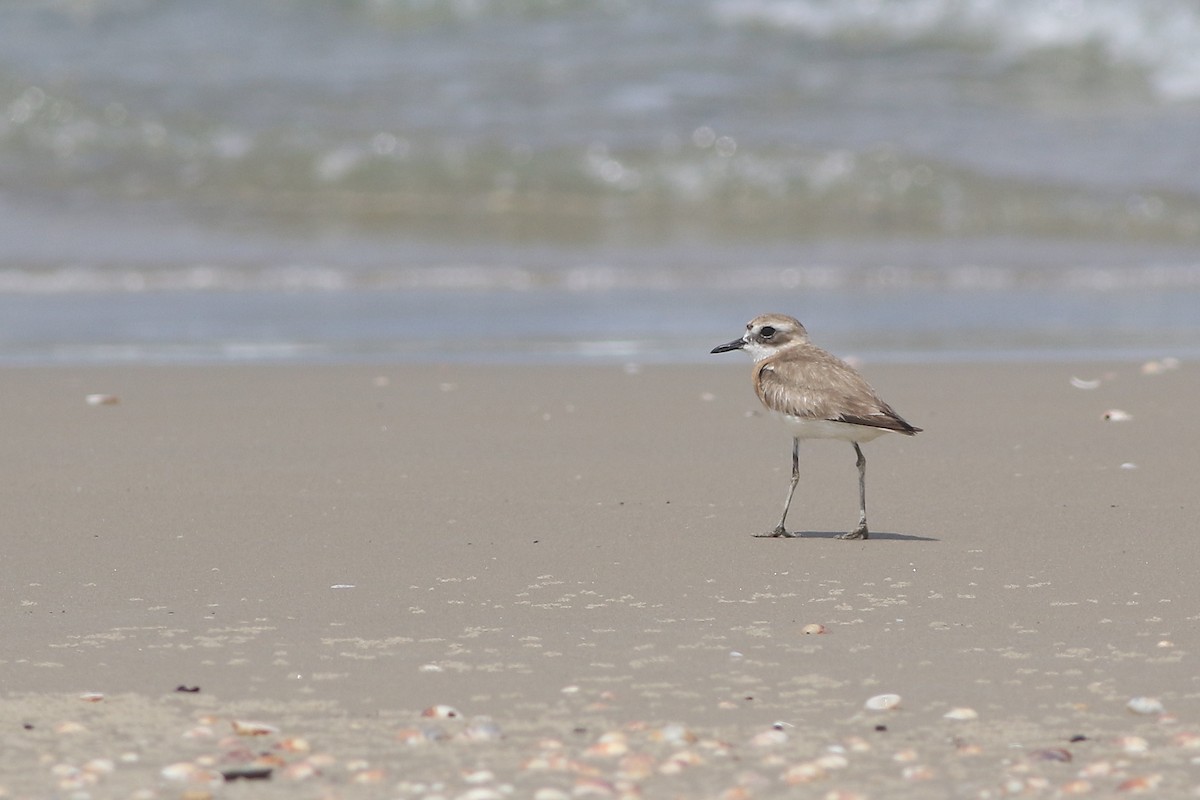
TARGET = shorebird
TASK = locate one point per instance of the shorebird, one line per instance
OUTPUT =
(818, 396)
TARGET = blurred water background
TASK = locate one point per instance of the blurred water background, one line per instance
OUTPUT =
(596, 180)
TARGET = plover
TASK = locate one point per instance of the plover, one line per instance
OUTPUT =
(818, 396)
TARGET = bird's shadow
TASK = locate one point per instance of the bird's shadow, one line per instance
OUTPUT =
(875, 535)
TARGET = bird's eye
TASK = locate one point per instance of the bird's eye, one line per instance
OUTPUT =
(767, 332)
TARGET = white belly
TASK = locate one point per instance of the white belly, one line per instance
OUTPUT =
(803, 428)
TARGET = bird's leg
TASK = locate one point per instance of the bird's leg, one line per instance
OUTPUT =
(861, 531)
(779, 529)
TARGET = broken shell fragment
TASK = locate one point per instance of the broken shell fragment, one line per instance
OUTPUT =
(961, 714)
(102, 399)
(1117, 415)
(812, 628)
(441, 711)
(610, 744)
(247, 728)
(806, 772)
(1145, 705)
(189, 773)
(882, 702)
(1132, 744)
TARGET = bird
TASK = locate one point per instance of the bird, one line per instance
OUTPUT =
(817, 396)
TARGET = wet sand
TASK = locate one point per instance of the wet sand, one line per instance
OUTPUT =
(476, 583)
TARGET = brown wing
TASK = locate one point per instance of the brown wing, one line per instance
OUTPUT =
(813, 384)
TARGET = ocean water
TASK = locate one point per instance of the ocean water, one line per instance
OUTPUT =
(596, 180)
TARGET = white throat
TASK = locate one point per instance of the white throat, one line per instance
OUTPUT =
(759, 351)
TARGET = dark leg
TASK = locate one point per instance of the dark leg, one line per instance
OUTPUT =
(861, 531)
(779, 529)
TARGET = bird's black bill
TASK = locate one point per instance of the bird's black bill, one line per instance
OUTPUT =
(736, 344)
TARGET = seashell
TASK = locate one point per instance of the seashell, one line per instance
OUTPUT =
(80, 780)
(962, 714)
(247, 728)
(442, 711)
(857, 744)
(1132, 744)
(832, 761)
(69, 727)
(92, 697)
(1051, 754)
(1078, 786)
(636, 766)
(482, 729)
(806, 772)
(673, 734)
(1080, 383)
(594, 787)
(100, 766)
(481, 794)
(610, 744)
(813, 628)
(1117, 415)
(478, 776)
(769, 738)
(293, 744)
(1096, 769)
(882, 702)
(1140, 784)
(301, 771)
(905, 756)
(548, 793)
(1145, 705)
(918, 772)
(1159, 367)
(102, 399)
(189, 773)
(199, 732)
(684, 758)
(369, 777)
(1187, 740)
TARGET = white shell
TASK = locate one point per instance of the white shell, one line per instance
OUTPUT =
(442, 711)
(1117, 415)
(102, 399)
(961, 714)
(882, 702)
(1145, 705)
(251, 728)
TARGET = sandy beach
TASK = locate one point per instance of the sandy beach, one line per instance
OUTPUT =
(485, 582)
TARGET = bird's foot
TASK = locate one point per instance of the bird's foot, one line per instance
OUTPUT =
(860, 532)
(779, 532)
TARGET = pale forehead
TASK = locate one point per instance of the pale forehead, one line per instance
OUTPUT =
(774, 320)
